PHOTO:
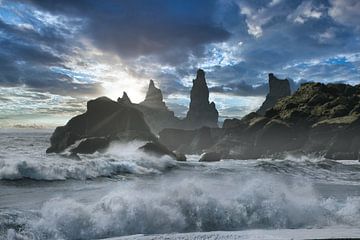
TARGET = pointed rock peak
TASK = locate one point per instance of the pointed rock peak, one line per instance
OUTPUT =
(200, 81)
(153, 93)
(124, 99)
(200, 74)
(154, 97)
(278, 88)
(201, 111)
(151, 84)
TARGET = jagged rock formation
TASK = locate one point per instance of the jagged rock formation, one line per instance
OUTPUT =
(317, 119)
(154, 98)
(157, 115)
(277, 89)
(201, 112)
(159, 150)
(124, 99)
(155, 111)
(104, 121)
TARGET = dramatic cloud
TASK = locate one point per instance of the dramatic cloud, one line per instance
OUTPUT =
(346, 12)
(86, 48)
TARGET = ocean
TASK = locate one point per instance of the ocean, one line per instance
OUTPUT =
(126, 194)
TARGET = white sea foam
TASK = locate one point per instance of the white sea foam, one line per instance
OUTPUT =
(193, 197)
(119, 158)
(191, 204)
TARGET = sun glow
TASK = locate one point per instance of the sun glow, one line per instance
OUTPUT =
(135, 88)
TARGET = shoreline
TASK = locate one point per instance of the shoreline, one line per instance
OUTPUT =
(255, 234)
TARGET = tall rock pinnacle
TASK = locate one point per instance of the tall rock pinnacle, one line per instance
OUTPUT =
(201, 112)
(277, 89)
(154, 98)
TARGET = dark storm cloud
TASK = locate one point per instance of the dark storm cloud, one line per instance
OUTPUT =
(276, 36)
(291, 33)
(169, 30)
(29, 51)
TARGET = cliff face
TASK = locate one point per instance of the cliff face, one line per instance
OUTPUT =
(315, 102)
(201, 112)
(277, 89)
(321, 119)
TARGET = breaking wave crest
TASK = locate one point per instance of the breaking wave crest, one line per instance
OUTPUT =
(119, 158)
(188, 204)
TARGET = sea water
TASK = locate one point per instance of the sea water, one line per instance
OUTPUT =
(125, 192)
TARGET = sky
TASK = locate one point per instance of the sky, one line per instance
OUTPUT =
(57, 54)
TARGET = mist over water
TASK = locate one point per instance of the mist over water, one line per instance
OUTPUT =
(19, 161)
(124, 191)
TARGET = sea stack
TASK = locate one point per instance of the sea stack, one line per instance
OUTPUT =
(155, 111)
(201, 112)
(278, 88)
(124, 99)
(154, 98)
(104, 120)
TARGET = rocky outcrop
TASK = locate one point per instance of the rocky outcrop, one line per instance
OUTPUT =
(104, 119)
(318, 119)
(321, 119)
(157, 115)
(154, 98)
(277, 90)
(210, 157)
(155, 111)
(91, 145)
(201, 112)
(159, 150)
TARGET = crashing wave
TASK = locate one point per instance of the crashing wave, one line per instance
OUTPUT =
(191, 204)
(119, 158)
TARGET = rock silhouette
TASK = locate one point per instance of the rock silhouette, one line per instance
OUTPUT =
(155, 111)
(277, 89)
(154, 98)
(124, 99)
(318, 119)
(157, 115)
(201, 112)
(104, 118)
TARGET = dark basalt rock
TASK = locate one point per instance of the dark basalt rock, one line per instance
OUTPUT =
(154, 98)
(155, 111)
(91, 145)
(210, 157)
(189, 141)
(157, 115)
(159, 150)
(317, 119)
(180, 157)
(277, 89)
(201, 112)
(103, 118)
(335, 102)
(124, 99)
